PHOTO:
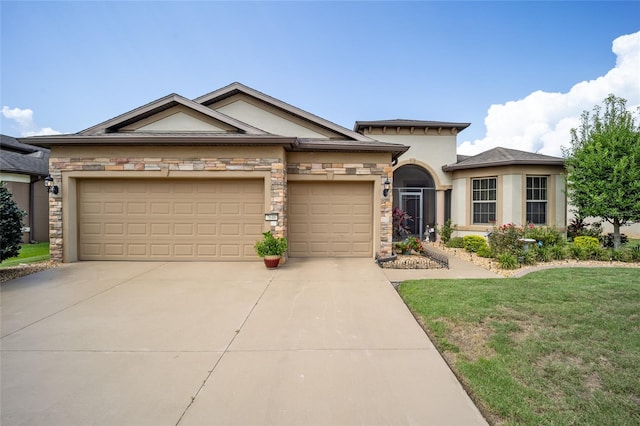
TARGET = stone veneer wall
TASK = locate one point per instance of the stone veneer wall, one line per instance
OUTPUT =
(383, 170)
(59, 165)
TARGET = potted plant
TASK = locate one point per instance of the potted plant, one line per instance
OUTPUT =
(271, 249)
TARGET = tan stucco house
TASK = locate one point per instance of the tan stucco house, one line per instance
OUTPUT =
(201, 179)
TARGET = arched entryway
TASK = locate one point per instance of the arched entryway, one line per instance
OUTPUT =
(414, 192)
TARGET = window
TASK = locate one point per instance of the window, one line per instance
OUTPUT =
(484, 200)
(537, 199)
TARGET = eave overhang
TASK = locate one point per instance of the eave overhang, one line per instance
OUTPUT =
(462, 166)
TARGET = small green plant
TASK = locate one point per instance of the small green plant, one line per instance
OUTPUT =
(543, 254)
(456, 242)
(507, 261)
(635, 253)
(270, 245)
(446, 231)
(558, 252)
(472, 243)
(485, 251)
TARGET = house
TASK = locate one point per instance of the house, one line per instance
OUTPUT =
(180, 179)
(22, 169)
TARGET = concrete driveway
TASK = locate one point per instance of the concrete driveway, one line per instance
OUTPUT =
(322, 342)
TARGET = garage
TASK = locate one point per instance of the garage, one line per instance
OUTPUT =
(169, 219)
(332, 219)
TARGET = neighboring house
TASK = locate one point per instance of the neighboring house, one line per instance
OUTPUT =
(23, 168)
(181, 179)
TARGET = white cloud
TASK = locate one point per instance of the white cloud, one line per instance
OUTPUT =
(541, 121)
(26, 125)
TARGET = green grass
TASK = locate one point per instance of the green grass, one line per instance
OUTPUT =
(555, 347)
(29, 253)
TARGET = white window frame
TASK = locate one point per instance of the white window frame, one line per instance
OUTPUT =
(538, 194)
(484, 197)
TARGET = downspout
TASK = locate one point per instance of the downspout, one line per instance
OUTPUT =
(32, 203)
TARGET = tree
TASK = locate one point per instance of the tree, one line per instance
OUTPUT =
(603, 165)
(10, 225)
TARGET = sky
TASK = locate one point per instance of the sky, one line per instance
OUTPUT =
(520, 72)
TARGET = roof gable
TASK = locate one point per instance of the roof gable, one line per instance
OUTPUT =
(245, 103)
(167, 106)
(503, 157)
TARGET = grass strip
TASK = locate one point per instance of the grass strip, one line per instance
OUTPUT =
(29, 253)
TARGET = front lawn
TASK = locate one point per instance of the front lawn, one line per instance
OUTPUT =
(29, 253)
(559, 346)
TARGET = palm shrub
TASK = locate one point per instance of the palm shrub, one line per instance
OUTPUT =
(10, 225)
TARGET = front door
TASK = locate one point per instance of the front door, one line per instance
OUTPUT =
(411, 203)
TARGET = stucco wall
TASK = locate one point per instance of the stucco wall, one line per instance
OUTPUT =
(511, 193)
(432, 150)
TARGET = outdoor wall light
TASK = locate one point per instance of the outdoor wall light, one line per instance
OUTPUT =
(387, 185)
(51, 188)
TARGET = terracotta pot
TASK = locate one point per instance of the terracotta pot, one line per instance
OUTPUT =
(271, 262)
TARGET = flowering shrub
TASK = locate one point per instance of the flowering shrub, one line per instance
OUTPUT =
(504, 239)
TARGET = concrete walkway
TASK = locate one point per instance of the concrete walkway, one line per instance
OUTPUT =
(458, 268)
(316, 342)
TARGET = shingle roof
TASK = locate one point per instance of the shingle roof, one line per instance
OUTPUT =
(503, 157)
(17, 157)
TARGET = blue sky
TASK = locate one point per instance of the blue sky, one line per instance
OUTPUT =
(526, 68)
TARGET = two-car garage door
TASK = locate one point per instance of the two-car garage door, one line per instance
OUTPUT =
(169, 219)
(217, 219)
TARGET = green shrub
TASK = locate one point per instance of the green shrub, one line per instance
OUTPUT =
(455, 242)
(558, 252)
(508, 261)
(543, 254)
(635, 253)
(10, 225)
(485, 251)
(446, 231)
(590, 243)
(578, 252)
(473, 243)
(549, 235)
(529, 257)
